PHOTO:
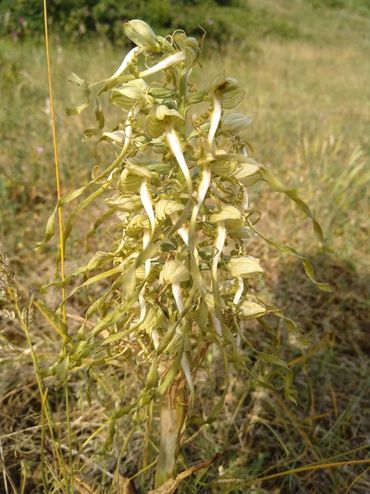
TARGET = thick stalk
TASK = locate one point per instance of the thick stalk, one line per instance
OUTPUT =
(171, 422)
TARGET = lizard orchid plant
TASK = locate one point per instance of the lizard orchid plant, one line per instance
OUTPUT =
(179, 278)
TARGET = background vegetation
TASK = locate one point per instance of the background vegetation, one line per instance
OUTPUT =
(224, 20)
(305, 66)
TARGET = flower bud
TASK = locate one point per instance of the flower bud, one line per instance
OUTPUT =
(140, 33)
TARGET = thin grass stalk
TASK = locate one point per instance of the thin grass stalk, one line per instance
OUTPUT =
(43, 438)
(55, 150)
(304, 468)
(60, 217)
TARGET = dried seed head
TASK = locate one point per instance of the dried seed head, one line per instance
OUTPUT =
(7, 289)
(6, 276)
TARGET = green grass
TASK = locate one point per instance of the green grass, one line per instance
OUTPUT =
(308, 92)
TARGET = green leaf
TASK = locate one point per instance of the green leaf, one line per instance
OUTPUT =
(272, 359)
(49, 230)
(286, 249)
(95, 279)
(61, 369)
(53, 318)
(152, 377)
(275, 184)
(102, 276)
(311, 275)
(111, 318)
(70, 196)
(96, 261)
(77, 110)
(100, 120)
(170, 375)
(99, 222)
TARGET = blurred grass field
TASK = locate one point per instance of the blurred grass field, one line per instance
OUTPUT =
(308, 91)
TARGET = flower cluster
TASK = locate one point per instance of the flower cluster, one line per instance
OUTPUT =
(180, 195)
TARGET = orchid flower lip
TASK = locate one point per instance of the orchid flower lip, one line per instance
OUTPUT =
(125, 63)
(175, 147)
(163, 64)
(215, 120)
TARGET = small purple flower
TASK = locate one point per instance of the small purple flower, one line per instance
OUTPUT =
(22, 20)
(40, 149)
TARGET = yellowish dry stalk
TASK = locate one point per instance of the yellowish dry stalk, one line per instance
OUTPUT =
(172, 416)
